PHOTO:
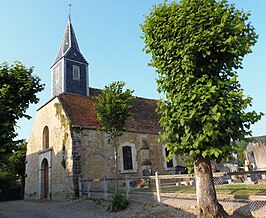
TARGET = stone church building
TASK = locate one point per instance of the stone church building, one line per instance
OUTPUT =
(65, 143)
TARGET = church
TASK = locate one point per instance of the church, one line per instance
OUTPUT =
(65, 142)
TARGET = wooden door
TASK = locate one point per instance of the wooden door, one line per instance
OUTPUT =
(45, 179)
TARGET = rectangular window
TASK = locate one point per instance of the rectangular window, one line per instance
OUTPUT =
(169, 164)
(76, 72)
(127, 158)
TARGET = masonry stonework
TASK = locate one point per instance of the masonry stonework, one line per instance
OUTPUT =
(259, 151)
(97, 158)
(60, 179)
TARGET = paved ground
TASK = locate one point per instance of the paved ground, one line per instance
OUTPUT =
(171, 207)
(237, 209)
(84, 208)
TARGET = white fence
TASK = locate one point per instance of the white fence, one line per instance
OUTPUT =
(168, 183)
(249, 187)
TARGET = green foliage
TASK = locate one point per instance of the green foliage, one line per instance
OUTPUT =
(12, 168)
(65, 123)
(240, 155)
(113, 108)
(63, 161)
(119, 202)
(18, 89)
(63, 119)
(16, 161)
(196, 48)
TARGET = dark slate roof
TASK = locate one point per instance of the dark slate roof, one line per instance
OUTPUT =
(69, 43)
(81, 112)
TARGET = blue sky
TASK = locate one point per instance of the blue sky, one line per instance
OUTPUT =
(108, 34)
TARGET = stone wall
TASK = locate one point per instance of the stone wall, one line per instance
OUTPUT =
(59, 154)
(259, 150)
(97, 156)
(76, 152)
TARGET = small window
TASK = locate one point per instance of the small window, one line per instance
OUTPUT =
(169, 164)
(56, 74)
(45, 138)
(127, 158)
(76, 72)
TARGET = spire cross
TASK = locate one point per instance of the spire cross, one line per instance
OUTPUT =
(69, 10)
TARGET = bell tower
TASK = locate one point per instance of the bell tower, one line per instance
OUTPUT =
(69, 72)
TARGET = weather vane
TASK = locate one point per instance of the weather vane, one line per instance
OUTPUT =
(69, 10)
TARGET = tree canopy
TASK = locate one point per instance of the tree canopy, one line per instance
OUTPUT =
(196, 47)
(113, 108)
(18, 89)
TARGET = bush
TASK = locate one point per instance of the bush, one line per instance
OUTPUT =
(119, 202)
(11, 193)
(11, 188)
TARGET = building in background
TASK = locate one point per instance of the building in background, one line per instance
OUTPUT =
(65, 143)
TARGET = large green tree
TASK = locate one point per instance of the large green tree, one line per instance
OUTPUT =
(113, 109)
(196, 48)
(18, 89)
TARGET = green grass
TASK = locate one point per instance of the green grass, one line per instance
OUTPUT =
(233, 189)
(241, 189)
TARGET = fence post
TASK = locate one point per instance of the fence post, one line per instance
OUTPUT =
(80, 187)
(158, 187)
(127, 187)
(105, 187)
(89, 188)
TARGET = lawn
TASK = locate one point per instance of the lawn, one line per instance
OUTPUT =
(233, 189)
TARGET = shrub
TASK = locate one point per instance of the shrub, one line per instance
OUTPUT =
(119, 202)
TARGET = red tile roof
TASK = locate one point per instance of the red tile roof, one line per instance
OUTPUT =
(81, 111)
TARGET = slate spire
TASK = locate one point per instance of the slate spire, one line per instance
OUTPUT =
(69, 42)
(70, 68)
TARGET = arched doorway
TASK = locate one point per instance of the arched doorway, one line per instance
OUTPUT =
(45, 178)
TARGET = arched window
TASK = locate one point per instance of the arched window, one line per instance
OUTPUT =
(127, 158)
(45, 138)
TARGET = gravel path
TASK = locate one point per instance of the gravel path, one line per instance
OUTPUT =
(237, 209)
(85, 208)
(171, 207)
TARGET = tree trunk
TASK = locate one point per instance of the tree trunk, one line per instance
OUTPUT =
(116, 169)
(207, 204)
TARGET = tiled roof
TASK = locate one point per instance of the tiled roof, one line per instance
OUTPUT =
(81, 111)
